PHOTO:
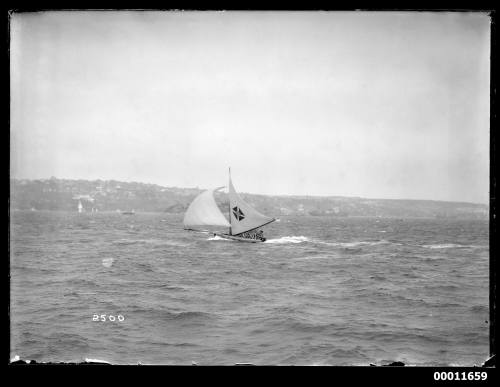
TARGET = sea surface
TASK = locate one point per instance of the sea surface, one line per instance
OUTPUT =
(320, 291)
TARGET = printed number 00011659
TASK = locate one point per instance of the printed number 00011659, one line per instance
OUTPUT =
(472, 375)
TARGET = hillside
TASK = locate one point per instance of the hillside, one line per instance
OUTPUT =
(111, 195)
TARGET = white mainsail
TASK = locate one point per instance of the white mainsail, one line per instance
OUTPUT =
(243, 216)
(203, 211)
(80, 207)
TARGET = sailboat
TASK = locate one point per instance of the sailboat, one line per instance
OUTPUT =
(243, 218)
(80, 207)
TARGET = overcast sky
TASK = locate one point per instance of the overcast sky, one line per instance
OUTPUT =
(378, 105)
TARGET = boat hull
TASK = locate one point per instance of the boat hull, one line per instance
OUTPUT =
(240, 239)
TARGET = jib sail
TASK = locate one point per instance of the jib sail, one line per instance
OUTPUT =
(203, 211)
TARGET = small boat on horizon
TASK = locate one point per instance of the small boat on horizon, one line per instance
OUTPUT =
(244, 220)
(128, 212)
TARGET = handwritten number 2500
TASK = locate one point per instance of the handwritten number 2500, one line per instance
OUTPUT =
(104, 317)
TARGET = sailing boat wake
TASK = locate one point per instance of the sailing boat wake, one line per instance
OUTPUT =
(289, 239)
(282, 240)
(216, 238)
(244, 220)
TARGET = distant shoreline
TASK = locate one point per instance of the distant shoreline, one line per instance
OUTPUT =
(111, 195)
(285, 196)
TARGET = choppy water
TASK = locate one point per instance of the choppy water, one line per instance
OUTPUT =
(340, 291)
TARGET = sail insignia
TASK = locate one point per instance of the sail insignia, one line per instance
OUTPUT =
(238, 214)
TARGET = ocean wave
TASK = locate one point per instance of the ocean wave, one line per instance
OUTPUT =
(170, 287)
(334, 355)
(409, 336)
(125, 242)
(184, 316)
(354, 243)
(315, 256)
(58, 339)
(480, 309)
(448, 246)
(189, 315)
(181, 345)
(155, 242)
(289, 239)
(305, 326)
(37, 270)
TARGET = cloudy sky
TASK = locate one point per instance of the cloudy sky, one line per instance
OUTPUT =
(378, 105)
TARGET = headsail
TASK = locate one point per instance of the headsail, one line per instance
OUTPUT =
(244, 217)
(203, 211)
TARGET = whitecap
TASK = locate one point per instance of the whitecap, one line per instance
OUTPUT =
(216, 238)
(107, 262)
(444, 246)
(289, 239)
(355, 243)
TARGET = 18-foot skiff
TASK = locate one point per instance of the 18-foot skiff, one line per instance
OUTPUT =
(244, 220)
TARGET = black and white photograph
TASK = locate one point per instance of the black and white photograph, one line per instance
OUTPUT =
(222, 187)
